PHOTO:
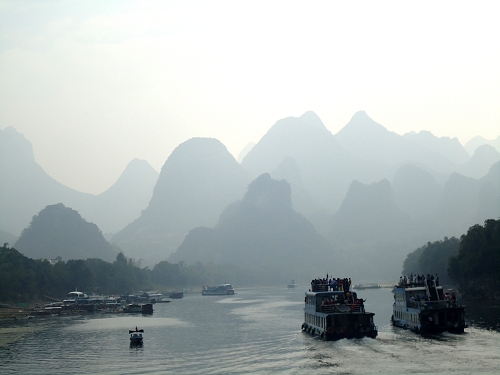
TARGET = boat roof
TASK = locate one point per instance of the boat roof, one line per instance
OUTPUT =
(75, 293)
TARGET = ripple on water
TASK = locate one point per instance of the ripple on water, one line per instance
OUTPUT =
(257, 332)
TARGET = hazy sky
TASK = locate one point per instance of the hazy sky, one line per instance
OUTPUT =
(94, 84)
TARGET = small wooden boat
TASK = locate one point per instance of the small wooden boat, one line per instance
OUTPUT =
(136, 337)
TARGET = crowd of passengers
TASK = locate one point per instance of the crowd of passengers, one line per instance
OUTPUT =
(347, 298)
(335, 284)
(444, 296)
(417, 280)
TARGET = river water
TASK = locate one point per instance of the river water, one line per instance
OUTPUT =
(256, 331)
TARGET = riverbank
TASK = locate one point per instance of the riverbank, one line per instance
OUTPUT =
(14, 313)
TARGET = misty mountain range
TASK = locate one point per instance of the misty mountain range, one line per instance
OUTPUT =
(354, 203)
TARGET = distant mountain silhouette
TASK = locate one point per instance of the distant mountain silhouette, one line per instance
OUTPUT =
(472, 145)
(373, 194)
(288, 170)
(371, 141)
(25, 189)
(416, 191)
(467, 201)
(61, 231)
(479, 164)
(124, 201)
(373, 232)
(196, 183)
(368, 212)
(6, 237)
(325, 166)
(263, 233)
(245, 151)
(450, 148)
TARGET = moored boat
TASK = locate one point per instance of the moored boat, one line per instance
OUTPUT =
(333, 314)
(75, 297)
(176, 294)
(220, 290)
(422, 306)
(146, 308)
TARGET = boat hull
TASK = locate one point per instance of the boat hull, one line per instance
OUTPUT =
(350, 331)
(424, 325)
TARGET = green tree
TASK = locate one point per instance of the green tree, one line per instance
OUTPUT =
(476, 268)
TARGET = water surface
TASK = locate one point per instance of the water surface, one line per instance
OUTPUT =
(256, 331)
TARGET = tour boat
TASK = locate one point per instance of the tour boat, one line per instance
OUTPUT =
(221, 290)
(423, 307)
(75, 297)
(292, 284)
(334, 314)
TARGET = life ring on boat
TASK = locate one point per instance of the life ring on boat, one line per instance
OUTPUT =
(329, 330)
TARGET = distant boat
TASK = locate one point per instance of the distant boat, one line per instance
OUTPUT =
(176, 294)
(366, 286)
(292, 284)
(136, 308)
(221, 290)
(163, 300)
(136, 337)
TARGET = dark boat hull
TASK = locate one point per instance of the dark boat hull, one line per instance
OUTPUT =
(339, 333)
(356, 328)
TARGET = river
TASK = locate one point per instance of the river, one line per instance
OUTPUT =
(256, 331)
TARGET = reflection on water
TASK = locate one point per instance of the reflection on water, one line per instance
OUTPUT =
(483, 314)
(255, 331)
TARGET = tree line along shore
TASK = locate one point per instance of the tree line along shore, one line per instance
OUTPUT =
(471, 263)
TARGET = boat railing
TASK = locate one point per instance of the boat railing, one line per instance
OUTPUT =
(430, 305)
(320, 287)
(342, 308)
